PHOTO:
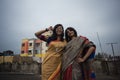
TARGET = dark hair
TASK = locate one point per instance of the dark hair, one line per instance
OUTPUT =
(54, 35)
(66, 35)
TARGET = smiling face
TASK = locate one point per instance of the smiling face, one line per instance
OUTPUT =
(70, 33)
(59, 30)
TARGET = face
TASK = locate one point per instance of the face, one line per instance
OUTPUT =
(70, 33)
(59, 30)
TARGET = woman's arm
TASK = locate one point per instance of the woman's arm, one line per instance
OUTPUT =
(39, 33)
(89, 52)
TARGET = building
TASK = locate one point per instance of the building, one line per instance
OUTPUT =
(33, 48)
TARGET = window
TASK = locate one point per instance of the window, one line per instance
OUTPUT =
(36, 52)
(30, 44)
(22, 51)
(30, 52)
(37, 44)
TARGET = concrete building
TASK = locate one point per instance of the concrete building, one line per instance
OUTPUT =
(33, 48)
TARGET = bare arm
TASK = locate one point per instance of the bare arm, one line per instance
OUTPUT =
(89, 52)
(39, 33)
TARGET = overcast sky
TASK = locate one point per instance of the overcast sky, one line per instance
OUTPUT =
(20, 19)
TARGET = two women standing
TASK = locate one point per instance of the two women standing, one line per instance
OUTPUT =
(69, 61)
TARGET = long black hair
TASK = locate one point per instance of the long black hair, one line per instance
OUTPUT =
(66, 34)
(54, 35)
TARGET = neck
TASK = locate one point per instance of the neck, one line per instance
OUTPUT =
(58, 38)
(73, 37)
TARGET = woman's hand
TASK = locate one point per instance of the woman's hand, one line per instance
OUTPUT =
(80, 60)
(50, 28)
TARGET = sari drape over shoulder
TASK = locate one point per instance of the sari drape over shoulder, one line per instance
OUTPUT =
(51, 64)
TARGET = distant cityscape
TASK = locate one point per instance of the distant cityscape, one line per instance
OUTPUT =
(37, 48)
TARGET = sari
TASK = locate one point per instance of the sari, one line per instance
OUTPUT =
(51, 64)
(71, 69)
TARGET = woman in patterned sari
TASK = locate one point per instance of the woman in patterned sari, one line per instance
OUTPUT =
(77, 57)
(51, 64)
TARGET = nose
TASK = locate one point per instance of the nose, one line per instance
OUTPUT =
(68, 31)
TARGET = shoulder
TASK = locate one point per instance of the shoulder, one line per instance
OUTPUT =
(83, 37)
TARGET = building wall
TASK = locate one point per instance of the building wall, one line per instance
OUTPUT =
(33, 48)
(44, 49)
(37, 46)
(31, 45)
(24, 47)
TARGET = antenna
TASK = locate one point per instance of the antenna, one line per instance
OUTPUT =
(112, 49)
(100, 44)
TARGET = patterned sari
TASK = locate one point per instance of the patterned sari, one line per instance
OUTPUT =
(51, 64)
(71, 69)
